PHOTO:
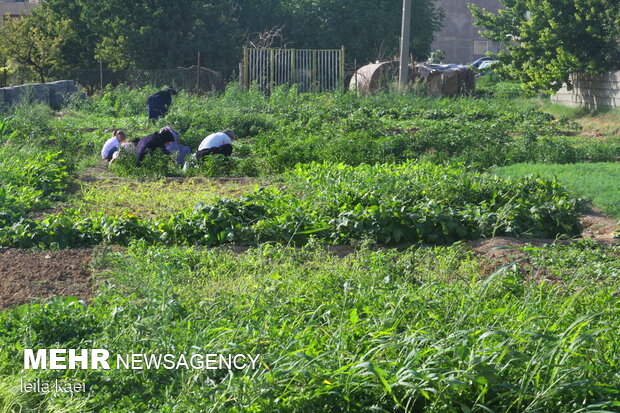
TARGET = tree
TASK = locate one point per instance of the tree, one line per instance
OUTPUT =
(547, 40)
(146, 34)
(34, 41)
(163, 33)
(156, 34)
(369, 29)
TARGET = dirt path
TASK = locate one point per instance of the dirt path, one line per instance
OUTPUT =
(100, 172)
(598, 226)
(25, 275)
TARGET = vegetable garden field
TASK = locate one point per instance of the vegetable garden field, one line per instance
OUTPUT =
(394, 252)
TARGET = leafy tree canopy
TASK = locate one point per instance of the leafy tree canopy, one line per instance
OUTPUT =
(547, 40)
(153, 34)
(35, 42)
(369, 29)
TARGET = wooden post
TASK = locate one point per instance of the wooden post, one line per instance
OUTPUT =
(101, 73)
(313, 77)
(342, 73)
(357, 86)
(246, 66)
(293, 67)
(198, 74)
(272, 69)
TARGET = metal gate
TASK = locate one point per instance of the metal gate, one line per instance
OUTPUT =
(311, 70)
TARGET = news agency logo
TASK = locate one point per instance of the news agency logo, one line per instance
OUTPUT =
(54, 359)
(99, 359)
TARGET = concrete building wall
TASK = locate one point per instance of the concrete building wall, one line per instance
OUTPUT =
(15, 8)
(458, 37)
(591, 92)
(53, 93)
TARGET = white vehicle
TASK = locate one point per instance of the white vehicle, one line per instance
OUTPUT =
(487, 64)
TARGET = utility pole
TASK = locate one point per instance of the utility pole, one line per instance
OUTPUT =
(403, 73)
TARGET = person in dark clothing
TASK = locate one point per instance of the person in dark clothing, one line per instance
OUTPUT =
(160, 102)
(225, 150)
(157, 140)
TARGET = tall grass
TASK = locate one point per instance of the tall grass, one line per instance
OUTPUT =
(598, 182)
(376, 331)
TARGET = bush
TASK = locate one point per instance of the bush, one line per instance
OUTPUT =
(216, 165)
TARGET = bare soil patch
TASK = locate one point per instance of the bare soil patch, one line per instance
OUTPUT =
(97, 173)
(599, 226)
(26, 275)
(495, 253)
(500, 251)
(503, 250)
(101, 172)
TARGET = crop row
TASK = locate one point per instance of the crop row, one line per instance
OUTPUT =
(278, 131)
(390, 204)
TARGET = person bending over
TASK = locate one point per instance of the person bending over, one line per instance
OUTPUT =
(175, 148)
(157, 140)
(111, 145)
(160, 102)
(216, 143)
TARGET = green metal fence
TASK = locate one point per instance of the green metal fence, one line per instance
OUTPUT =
(312, 70)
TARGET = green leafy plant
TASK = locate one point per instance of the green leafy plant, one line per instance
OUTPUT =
(155, 164)
(390, 204)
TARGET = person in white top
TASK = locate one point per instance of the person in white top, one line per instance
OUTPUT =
(112, 145)
(216, 143)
